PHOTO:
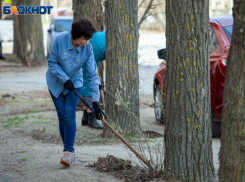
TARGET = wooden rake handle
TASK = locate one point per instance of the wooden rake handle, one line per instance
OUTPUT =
(125, 142)
(114, 131)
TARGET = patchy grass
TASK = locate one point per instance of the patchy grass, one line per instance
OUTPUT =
(114, 139)
(24, 159)
(19, 122)
(100, 140)
(35, 111)
(16, 121)
(131, 138)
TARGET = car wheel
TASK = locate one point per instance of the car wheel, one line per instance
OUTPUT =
(158, 105)
(216, 129)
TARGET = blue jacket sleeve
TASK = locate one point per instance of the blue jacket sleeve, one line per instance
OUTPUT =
(53, 63)
(91, 71)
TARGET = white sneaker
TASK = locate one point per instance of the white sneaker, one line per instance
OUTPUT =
(68, 159)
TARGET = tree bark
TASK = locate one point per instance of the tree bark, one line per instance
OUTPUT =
(89, 9)
(28, 36)
(122, 79)
(188, 138)
(232, 152)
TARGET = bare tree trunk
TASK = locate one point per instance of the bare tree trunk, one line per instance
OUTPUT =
(232, 152)
(188, 138)
(122, 80)
(28, 36)
(89, 9)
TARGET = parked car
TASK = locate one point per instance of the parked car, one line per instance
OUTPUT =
(220, 34)
(57, 25)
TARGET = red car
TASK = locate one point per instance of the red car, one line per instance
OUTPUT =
(220, 33)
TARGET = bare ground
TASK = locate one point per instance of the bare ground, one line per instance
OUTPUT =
(30, 144)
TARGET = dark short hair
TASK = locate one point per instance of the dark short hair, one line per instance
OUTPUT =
(82, 27)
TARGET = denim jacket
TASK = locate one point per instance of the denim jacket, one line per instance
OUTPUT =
(66, 62)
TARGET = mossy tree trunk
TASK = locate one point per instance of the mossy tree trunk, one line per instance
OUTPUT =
(232, 152)
(89, 9)
(28, 36)
(188, 138)
(122, 79)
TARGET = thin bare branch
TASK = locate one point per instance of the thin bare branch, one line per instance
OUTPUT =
(141, 4)
(145, 13)
(157, 13)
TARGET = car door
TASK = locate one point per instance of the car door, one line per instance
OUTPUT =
(218, 52)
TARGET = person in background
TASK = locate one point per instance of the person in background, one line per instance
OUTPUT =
(98, 43)
(71, 52)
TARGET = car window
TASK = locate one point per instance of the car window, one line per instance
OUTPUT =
(213, 41)
(228, 31)
(63, 25)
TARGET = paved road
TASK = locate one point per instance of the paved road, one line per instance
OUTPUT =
(146, 75)
(35, 80)
(23, 81)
